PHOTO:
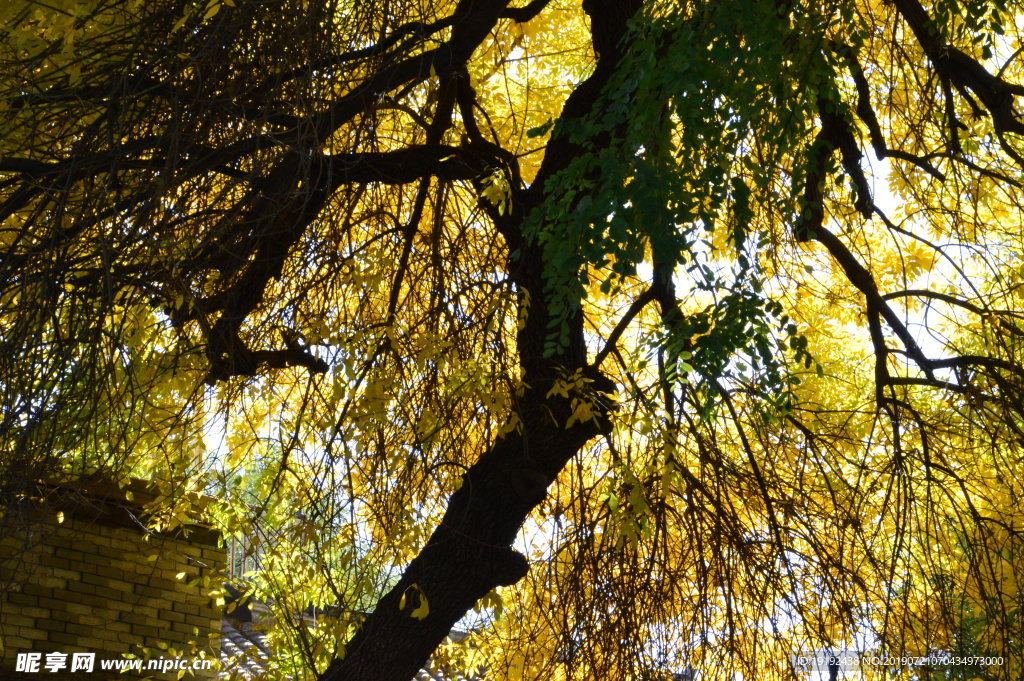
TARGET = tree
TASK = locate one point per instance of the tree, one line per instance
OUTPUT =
(621, 275)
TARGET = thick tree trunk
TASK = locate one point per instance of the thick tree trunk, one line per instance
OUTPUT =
(468, 555)
(469, 552)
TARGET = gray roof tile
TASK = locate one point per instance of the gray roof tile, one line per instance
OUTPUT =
(244, 655)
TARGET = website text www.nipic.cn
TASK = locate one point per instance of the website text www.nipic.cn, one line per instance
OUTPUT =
(43, 663)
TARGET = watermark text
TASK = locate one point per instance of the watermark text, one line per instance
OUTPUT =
(42, 663)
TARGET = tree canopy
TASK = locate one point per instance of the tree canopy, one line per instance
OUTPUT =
(664, 334)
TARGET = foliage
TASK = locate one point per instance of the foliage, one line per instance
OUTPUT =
(616, 284)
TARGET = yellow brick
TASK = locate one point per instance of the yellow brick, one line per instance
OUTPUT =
(130, 546)
(54, 561)
(29, 611)
(136, 618)
(186, 628)
(77, 548)
(61, 638)
(76, 608)
(80, 630)
(95, 644)
(174, 596)
(49, 625)
(171, 616)
(128, 638)
(26, 601)
(161, 603)
(56, 605)
(17, 643)
(99, 637)
(148, 631)
(30, 632)
(32, 589)
(96, 563)
(214, 554)
(101, 540)
(15, 619)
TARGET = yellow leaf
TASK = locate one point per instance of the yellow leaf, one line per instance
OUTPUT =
(423, 609)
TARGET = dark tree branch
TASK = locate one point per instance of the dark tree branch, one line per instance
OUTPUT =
(641, 301)
(119, 88)
(861, 278)
(38, 177)
(878, 309)
(525, 13)
(281, 218)
(418, 31)
(980, 311)
(930, 383)
(978, 361)
(281, 213)
(253, 250)
(867, 114)
(966, 74)
(413, 163)
(471, 22)
(837, 133)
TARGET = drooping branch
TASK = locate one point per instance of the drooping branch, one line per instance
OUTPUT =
(415, 31)
(249, 245)
(472, 21)
(878, 310)
(408, 165)
(281, 218)
(279, 214)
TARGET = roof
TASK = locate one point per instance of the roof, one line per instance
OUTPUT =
(245, 656)
(102, 498)
(243, 651)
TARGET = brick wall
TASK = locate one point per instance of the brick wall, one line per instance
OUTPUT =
(94, 586)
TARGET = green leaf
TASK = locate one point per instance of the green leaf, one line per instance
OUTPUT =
(540, 130)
